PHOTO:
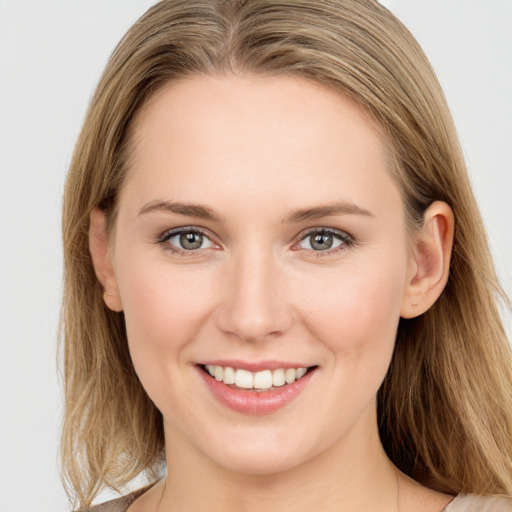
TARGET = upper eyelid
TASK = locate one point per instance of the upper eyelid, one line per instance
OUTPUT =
(322, 229)
(169, 233)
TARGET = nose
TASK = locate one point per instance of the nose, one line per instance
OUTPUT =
(254, 305)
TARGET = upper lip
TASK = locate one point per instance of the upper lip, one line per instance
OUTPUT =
(255, 366)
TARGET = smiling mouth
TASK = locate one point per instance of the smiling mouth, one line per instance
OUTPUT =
(261, 381)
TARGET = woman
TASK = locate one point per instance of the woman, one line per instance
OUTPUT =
(277, 278)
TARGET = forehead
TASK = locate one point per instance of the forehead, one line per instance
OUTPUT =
(255, 135)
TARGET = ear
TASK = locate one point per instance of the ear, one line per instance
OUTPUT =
(101, 258)
(430, 260)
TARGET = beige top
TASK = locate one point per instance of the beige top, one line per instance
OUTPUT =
(472, 503)
(461, 503)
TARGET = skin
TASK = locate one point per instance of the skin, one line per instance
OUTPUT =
(255, 151)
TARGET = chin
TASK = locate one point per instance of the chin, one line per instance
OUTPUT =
(259, 463)
(260, 453)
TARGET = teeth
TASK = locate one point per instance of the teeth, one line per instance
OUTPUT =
(278, 378)
(229, 375)
(301, 372)
(244, 379)
(255, 380)
(263, 380)
(290, 375)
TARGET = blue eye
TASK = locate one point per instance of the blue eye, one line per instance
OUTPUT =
(186, 239)
(323, 240)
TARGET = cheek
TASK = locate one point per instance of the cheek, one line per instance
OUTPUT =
(164, 309)
(355, 310)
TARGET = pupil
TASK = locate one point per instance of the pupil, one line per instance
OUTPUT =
(321, 241)
(191, 241)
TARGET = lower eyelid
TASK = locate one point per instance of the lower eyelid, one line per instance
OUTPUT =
(180, 252)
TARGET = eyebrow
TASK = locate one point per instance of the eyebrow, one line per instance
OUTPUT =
(338, 208)
(205, 213)
(190, 210)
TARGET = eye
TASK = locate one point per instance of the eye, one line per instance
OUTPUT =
(325, 240)
(186, 239)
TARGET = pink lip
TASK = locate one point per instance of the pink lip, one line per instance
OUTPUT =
(254, 402)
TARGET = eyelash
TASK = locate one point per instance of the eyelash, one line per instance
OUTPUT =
(346, 240)
(164, 238)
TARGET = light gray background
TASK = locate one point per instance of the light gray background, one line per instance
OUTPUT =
(51, 55)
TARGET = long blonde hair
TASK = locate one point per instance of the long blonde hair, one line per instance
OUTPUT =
(445, 407)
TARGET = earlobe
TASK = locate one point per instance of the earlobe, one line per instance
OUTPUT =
(430, 263)
(101, 258)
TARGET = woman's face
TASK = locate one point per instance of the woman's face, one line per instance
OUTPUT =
(259, 230)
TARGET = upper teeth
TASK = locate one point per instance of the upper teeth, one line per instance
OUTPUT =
(255, 380)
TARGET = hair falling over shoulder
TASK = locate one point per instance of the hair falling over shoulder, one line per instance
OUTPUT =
(445, 407)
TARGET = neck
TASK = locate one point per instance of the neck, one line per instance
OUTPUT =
(355, 475)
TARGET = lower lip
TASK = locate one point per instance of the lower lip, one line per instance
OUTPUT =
(255, 402)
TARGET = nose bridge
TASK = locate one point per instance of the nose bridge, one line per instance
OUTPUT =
(254, 304)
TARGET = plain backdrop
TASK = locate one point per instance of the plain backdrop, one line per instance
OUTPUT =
(51, 55)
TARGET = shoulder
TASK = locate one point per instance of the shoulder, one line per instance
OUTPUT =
(118, 505)
(474, 503)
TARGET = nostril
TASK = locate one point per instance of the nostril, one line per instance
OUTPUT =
(254, 308)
